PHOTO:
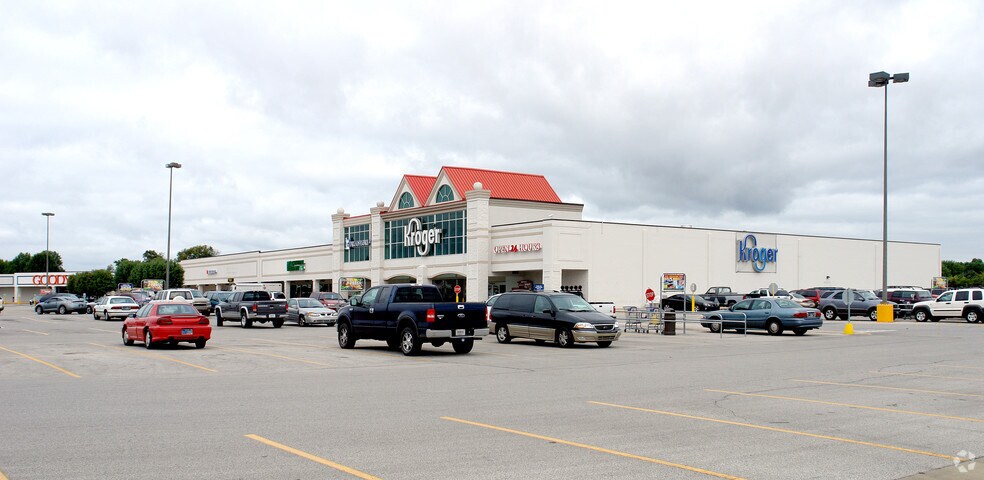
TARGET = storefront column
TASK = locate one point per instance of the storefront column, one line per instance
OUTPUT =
(479, 244)
(338, 246)
(376, 243)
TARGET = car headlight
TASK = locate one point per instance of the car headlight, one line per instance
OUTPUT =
(583, 326)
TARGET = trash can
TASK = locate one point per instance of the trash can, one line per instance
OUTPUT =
(669, 323)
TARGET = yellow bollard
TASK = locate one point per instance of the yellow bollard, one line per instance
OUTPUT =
(848, 328)
(886, 313)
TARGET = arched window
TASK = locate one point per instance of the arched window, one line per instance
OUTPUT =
(444, 194)
(406, 200)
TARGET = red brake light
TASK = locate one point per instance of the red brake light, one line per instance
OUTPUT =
(285, 307)
(164, 321)
(254, 307)
(202, 320)
(431, 315)
(801, 315)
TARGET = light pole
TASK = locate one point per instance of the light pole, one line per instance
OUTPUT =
(47, 240)
(171, 166)
(880, 79)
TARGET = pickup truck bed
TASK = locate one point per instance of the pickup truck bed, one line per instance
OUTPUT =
(251, 306)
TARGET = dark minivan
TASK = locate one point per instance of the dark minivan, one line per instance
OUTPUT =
(557, 317)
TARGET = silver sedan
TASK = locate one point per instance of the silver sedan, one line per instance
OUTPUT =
(308, 311)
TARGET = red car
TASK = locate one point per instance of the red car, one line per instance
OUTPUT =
(330, 299)
(167, 322)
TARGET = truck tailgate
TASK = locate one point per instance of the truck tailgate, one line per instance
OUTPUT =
(459, 316)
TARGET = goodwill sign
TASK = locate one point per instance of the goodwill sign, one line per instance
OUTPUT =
(756, 253)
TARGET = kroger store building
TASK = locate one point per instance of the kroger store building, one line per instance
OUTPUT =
(490, 232)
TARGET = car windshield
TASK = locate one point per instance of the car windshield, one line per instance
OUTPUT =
(222, 295)
(797, 296)
(783, 303)
(196, 294)
(331, 296)
(308, 303)
(866, 295)
(571, 303)
(126, 300)
(68, 296)
(923, 295)
(176, 309)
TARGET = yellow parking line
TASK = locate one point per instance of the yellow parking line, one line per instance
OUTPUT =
(274, 356)
(37, 320)
(594, 448)
(33, 331)
(882, 387)
(783, 430)
(864, 407)
(313, 458)
(42, 362)
(929, 376)
(148, 354)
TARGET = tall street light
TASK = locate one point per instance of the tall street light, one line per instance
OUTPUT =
(877, 80)
(47, 239)
(171, 166)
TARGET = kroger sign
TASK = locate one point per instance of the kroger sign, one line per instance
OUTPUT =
(756, 253)
(414, 235)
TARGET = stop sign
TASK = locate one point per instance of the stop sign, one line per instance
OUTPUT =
(457, 289)
(650, 294)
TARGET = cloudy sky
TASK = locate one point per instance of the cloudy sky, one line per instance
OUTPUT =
(736, 115)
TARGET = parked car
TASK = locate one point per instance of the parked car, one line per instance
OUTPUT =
(811, 293)
(774, 315)
(563, 318)
(1, 303)
(803, 301)
(764, 292)
(120, 306)
(216, 297)
(192, 296)
(833, 305)
(251, 306)
(60, 302)
(278, 296)
(905, 298)
(139, 296)
(681, 302)
(330, 299)
(965, 302)
(724, 296)
(488, 310)
(937, 291)
(167, 322)
(608, 308)
(308, 311)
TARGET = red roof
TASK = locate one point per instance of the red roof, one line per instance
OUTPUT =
(505, 185)
(421, 186)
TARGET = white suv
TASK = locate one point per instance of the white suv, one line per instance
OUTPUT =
(192, 296)
(966, 302)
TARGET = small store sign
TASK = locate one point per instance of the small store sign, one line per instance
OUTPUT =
(517, 248)
(295, 265)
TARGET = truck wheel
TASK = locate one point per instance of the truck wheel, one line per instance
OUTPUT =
(921, 315)
(463, 346)
(873, 314)
(829, 313)
(345, 337)
(565, 338)
(218, 317)
(502, 334)
(277, 323)
(409, 344)
(972, 316)
(244, 320)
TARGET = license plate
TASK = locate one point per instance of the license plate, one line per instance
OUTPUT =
(126, 308)
(187, 331)
(459, 333)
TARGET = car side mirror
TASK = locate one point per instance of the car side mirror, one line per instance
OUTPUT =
(550, 311)
(355, 301)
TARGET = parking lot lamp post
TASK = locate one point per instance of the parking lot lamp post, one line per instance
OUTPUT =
(47, 242)
(170, 186)
(878, 80)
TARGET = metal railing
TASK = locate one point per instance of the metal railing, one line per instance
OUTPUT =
(644, 319)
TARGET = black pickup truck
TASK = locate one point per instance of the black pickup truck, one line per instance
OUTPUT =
(407, 315)
(251, 306)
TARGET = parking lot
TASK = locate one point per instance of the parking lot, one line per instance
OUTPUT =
(894, 400)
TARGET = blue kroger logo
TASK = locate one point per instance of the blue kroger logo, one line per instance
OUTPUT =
(760, 257)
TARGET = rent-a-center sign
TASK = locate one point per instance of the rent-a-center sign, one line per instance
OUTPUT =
(755, 253)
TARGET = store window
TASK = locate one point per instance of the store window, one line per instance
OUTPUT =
(453, 235)
(357, 243)
(406, 200)
(444, 194)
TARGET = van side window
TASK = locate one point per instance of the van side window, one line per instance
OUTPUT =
(542, 305)
(503, 302)
(522, 303)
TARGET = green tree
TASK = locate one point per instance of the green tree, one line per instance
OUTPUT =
(122, 270)
(156, 269)
(38, 259)
(21, 263)
(93, 284)
(151, 255)
(198, 251)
